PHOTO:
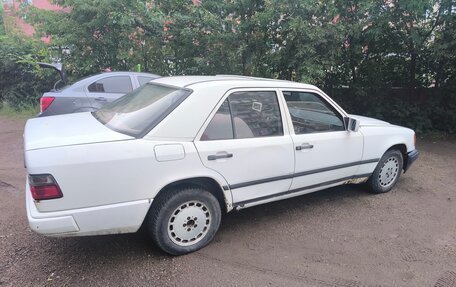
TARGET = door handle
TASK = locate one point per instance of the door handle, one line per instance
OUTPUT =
(100, 99)
(304, 146)
(219, 156)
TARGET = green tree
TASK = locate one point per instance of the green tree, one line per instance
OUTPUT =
(2, 25)
(411, 28)
(21, 80)
(441, 56)
(104, 34)
(363, 44)
(199, 38)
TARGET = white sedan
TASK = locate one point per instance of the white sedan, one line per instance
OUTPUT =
(177, 153)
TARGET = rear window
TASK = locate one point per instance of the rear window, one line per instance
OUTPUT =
(115, 84)
(144, 80)
(139, 111)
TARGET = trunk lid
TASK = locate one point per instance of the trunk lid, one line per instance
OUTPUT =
(69, 129)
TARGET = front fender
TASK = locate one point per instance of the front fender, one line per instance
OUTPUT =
(377, 140)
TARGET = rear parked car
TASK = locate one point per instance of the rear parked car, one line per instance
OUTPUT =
(92, 93)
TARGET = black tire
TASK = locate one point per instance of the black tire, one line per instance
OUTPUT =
(387, 172)
(178, 212)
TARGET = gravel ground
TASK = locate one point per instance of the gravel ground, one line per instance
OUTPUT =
(342, 236)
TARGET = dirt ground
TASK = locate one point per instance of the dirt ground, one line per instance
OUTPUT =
(342, 236)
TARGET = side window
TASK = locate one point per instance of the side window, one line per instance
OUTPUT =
(310, 114)
(115, 84)
(221, 126)
(144, 80)
(255, 114)
(246, 115)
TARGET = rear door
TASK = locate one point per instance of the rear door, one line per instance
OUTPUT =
(108, 88)
(246, 140)
(326, 153)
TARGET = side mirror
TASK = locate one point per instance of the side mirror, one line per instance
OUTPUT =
(353, 125)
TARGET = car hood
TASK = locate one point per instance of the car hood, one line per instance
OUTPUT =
(371, 122)
(69, 129)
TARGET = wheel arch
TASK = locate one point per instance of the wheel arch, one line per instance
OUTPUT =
(402, 147)
(204, 182)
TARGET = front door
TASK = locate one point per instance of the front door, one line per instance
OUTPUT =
(246, 143)
(326, 153)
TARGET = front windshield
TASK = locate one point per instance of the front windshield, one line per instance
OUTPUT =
(139, 111)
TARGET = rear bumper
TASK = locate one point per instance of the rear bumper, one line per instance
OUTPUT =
(107, 219)
(411, 157)
(48, 224)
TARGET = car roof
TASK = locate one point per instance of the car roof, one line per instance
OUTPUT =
(128, 72)
(82, 82)
(235, 80)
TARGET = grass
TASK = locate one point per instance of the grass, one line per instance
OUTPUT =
(22, 113)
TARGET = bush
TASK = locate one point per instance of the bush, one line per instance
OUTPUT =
(22, 82)
(424, 110)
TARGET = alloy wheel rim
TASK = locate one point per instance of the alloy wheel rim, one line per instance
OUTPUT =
(189, 223)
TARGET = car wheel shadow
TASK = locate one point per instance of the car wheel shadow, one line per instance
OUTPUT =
(139, 244)
(327, 198)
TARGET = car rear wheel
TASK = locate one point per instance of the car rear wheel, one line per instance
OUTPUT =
(184, 220)
(387, 172)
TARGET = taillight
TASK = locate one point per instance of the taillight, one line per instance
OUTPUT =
(45, 102)
(414, 140)
(44, 186)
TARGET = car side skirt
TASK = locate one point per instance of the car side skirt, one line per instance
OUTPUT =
(299, 191)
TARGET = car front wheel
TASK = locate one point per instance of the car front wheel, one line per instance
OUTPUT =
(184, 220)
(387, 172)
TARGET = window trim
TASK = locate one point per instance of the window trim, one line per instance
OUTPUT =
(284, 119)
(86, 88)
(324, 98)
